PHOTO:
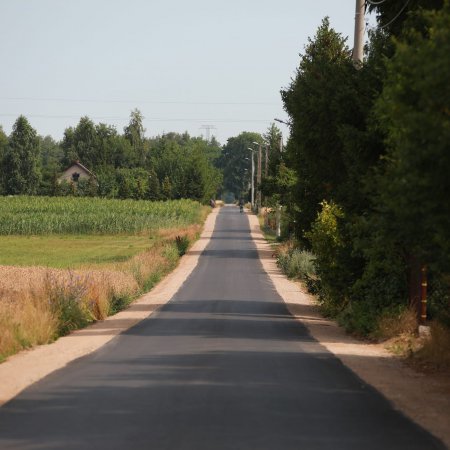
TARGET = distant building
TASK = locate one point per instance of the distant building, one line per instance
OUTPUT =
(75, 172)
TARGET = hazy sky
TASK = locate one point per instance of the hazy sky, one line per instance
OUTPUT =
(184, 64)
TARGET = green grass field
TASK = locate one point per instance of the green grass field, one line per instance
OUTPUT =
(70, 232)
(69, 251)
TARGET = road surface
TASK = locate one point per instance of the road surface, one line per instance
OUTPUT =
(223, 365)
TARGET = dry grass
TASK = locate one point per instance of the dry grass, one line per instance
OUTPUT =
(190, 232)
(427, 353)
(402, 324)
(435, 351)
(26, 320)
(38, 304)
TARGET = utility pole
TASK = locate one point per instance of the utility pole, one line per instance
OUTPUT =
(358, 45)
(253, 181)
(423, 295)
(252, 151)
(266, 162)
(278, 221)
(266, 173)
(259, 176)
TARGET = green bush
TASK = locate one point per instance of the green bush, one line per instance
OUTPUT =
(118, 302)
(296, 263)
(334, 262)
(358, 317)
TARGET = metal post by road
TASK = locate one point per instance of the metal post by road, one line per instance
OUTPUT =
(358, 45)
(278, 221)
(423, 295)
(266, 161)
(258, 177)
(253, 181)
(266, 173)
(252, 151)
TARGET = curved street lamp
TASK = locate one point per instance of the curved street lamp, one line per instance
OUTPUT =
(283, 121)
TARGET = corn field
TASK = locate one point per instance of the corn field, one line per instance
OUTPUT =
(23, 215)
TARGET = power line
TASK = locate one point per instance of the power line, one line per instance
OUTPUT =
(396, 17)
(393, 19)
(208, 129)
(154, 102)
(150, 119)
(372, 2)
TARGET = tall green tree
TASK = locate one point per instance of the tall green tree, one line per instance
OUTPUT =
(135, 133)
(184, 167)
(21, 161)
(154, 188)
(235, 162)
(79, 143)
(319, 100)
(51, 157)
(3, 149)
(273, 140)
(414, 108)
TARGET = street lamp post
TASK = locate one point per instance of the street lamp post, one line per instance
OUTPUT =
(253, 177)
(289, 124)
(278, 213)
(258, 176)
(282, 121)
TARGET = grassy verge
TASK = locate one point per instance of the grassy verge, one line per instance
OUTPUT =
(69, 251)
(269, 234)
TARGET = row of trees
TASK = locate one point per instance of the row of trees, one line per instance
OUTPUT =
(127, 165)
(235, 160)
(368, 162)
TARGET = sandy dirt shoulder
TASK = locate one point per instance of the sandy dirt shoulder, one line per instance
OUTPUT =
(27, 367)
(423, 398)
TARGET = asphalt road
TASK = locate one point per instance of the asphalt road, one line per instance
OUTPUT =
(222, 366)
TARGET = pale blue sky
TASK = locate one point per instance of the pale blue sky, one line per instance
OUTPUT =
(184, 64)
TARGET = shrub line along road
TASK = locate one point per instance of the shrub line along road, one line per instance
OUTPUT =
(223, 365)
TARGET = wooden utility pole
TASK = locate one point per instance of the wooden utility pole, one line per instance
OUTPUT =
(418, 284)
(358, 45)
(423, 295)
(266, 162)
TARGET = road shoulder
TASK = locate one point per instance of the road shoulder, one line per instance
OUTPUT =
(423, 398)
(30, 366)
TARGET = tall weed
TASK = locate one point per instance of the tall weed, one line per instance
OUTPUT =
(26, 319)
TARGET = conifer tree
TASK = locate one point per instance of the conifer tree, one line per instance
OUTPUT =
(21, 161)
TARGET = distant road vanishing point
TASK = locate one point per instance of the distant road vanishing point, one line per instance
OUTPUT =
(223, 365)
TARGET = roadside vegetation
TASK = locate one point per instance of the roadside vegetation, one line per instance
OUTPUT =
(43, 297)
(363, 179)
